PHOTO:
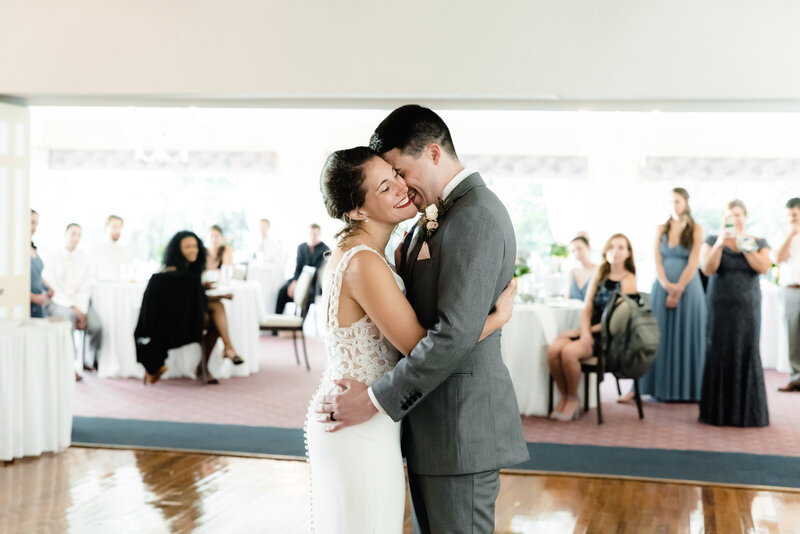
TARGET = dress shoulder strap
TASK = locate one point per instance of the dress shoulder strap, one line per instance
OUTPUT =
(336, 281)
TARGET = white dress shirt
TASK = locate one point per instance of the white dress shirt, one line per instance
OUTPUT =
(107, 260)
(790, 269)
(70, 275)
(272, 252)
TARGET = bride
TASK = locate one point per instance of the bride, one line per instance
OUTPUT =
(357, 478)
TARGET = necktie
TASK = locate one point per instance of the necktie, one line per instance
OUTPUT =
(413, 242)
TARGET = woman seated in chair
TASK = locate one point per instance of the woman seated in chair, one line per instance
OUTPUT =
(185, 252)
(617, 273)
(219, 253)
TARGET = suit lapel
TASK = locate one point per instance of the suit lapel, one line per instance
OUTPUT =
(415, 251)
(402, 268)
(470, 182)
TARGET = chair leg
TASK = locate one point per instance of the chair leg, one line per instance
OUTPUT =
(294, 340)
(619, 389)
(599, 404)
(586, 392)
(550, 396)
(305, 351)
(638, 398)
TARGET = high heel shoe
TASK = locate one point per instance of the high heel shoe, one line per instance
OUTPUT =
(574, 416)
(152, 379)
(236, 359)
(210, 380)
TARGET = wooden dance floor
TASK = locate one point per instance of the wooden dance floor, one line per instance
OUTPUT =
(102, 490)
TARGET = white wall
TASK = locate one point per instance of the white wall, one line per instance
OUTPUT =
(509, 53)
(15, 219)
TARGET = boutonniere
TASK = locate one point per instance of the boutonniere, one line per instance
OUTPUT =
(429, 221)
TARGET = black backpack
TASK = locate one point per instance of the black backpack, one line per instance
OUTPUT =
(630, 353)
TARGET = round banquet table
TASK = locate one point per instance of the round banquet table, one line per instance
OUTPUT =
(774, 340)
(524, 347)
(37, 387)
(117, 305)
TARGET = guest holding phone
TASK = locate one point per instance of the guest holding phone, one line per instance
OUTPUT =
(733, 392)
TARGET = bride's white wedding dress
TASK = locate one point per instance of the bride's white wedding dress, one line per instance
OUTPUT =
(357, 479)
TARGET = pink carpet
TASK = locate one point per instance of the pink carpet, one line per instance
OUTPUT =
(278, 395)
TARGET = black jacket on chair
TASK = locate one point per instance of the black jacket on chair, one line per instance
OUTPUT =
(171, 316)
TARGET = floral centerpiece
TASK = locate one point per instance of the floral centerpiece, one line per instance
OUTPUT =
(520, 268)
(558, 253)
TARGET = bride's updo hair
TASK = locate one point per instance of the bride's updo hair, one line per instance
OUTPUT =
(342, 185)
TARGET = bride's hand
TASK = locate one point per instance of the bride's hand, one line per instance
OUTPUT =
(504, 306)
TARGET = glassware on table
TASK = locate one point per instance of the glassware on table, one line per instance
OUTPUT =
(226, 273)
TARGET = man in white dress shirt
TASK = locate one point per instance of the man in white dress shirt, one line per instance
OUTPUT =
(69, 272)
(271, 251)
(109, 256)
(788, 257)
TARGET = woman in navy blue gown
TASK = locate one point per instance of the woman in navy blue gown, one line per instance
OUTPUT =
(679, 306)
(733, 392)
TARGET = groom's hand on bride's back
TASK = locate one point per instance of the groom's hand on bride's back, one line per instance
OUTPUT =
(351, 407)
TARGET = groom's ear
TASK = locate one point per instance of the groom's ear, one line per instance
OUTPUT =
(435, 152)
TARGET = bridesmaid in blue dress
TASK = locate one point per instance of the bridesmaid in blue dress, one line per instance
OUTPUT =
(40, 292)
(584, 272)
(564, 355)
(679, 306)
(733, 392)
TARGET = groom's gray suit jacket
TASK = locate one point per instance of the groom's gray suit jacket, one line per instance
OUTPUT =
(456, 396)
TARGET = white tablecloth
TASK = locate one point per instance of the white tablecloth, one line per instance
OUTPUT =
(524, 346)
(270, 278)
(117, 305)
(774, 343)
(37, 387)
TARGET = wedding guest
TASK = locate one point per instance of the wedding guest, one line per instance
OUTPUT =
(184, 263)
(733, 392)
(69, 273)
(220, 252)
(109, 256)
(270, 250)
(582, 274)
(788, 257)
(310, 253)
(617, 273)
(41, 292)
(679, 306)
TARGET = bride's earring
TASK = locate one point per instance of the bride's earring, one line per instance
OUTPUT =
(366, 219)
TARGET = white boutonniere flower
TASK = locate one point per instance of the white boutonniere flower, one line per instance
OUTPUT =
(429, 221)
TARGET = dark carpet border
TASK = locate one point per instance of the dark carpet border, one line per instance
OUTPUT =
(727, 468)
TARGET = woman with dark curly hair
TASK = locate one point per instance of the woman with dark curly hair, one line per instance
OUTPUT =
(175, 309)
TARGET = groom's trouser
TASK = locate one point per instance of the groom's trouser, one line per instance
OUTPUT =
(462, 504)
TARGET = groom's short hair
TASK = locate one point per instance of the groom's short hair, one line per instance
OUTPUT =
(411, 128)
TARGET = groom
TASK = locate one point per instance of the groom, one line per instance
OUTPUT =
(461, 422)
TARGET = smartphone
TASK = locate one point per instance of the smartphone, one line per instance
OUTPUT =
(730, 228)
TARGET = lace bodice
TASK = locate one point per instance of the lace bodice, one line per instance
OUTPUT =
(360, 350)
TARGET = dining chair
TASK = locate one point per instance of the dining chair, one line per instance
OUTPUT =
(294, 323)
